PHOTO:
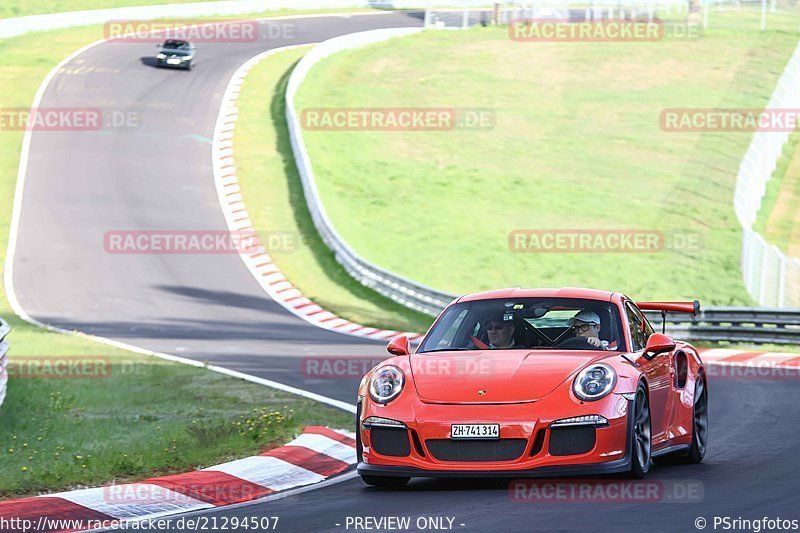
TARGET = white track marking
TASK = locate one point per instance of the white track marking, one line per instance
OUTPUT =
(269, 472)
(327, 446)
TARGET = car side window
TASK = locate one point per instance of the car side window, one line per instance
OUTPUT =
(640, 327)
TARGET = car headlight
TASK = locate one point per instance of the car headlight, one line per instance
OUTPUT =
(594, 382)
(386, 383)
(161, 56)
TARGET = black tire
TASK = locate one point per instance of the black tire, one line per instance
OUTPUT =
(385, 482)
(699, 423)
(641, 436)
(359, 445)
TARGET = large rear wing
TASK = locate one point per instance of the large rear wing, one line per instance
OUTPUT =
(691, 308)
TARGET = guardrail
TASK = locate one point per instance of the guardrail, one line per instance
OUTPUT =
(4, 329)
(735, 324)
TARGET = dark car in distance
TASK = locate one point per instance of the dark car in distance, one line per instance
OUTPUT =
(175, 53)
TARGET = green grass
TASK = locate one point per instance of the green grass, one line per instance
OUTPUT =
(274, 197)
(778, 220)
(149, 417)
(577, 145)
(146, 418)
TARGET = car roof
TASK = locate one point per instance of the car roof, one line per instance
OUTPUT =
(564, 292)
(175, 42)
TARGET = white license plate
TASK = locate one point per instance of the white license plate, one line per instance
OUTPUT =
(475, 431)
(174, 61)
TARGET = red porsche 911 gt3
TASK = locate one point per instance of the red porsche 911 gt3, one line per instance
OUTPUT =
(533, 382)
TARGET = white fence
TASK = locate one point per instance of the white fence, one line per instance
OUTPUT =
(772, 278)
(4, 329)
(665, 10)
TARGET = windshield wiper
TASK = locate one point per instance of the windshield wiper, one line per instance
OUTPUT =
(446, 350)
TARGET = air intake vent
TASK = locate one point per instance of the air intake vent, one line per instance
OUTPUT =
(572, 440)
(476, 450)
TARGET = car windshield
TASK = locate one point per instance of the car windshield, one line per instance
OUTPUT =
(527, 323)
(176, 45)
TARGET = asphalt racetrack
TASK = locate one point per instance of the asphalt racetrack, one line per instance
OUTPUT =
(81, 185)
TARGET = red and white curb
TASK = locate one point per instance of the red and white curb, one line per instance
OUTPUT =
(256, 258)
(311, 458)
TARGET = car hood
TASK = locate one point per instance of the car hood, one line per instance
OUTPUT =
(506, 376)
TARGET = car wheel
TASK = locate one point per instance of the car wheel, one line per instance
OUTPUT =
(641, 442)
(385, 482)
(700, 423)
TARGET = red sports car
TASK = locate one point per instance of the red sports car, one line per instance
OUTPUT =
(533, 382)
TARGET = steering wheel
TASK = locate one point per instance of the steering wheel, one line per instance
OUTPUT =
(576, 343)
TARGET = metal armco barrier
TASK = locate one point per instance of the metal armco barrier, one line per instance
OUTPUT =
(4, 329)
(734, 324)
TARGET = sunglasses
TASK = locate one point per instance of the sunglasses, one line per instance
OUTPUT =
(496, 326)
(586, 327)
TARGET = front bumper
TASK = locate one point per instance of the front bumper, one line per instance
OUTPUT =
(611, 467)
(608, 453)
(165, 64)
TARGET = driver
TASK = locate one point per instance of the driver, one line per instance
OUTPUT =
(500, 332)
(586, 325)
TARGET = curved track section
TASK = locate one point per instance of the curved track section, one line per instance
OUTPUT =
(158, 176)
(209, 307)
(749, 472)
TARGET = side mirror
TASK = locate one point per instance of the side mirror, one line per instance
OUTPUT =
(399, 345)
(658, 343)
